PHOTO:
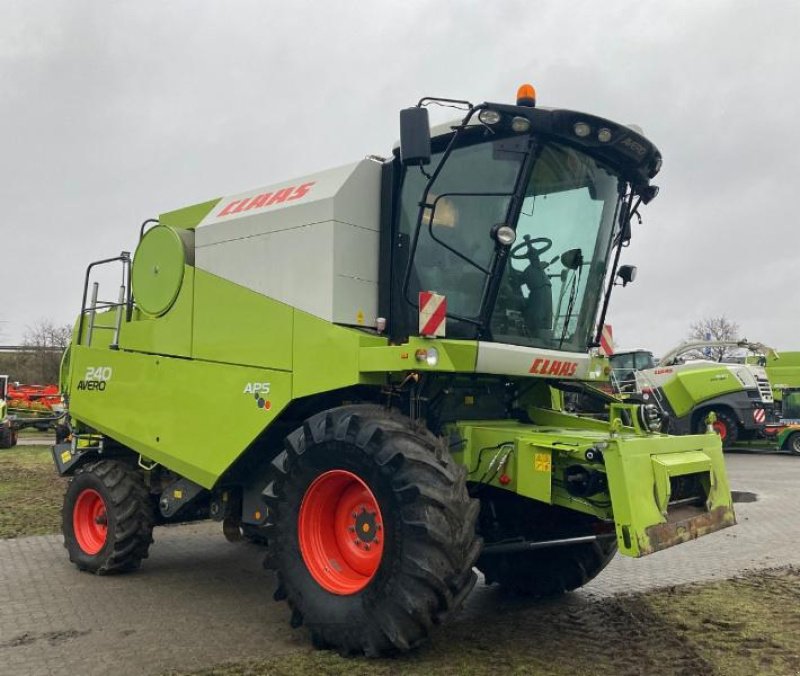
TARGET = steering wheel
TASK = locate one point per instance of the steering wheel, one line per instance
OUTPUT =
(527, 244)
(537, 305)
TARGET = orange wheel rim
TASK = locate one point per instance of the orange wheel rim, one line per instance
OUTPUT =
(720, 428)
(340, 531)
(89, 521)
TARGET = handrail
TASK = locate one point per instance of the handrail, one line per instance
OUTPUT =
(125, 298)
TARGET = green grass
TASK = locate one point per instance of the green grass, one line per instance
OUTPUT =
(745, 626)
(30, 492)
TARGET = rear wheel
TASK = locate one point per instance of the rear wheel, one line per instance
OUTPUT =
(63, 432)
(8, 437)
(373, 534)
(725, 425)
(107, 518)
(793, 443)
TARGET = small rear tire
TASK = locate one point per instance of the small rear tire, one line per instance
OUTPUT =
(107, 518)
(63, 432)
(8, 437)
(254, 534)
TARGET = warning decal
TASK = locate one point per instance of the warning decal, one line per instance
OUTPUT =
(607, 341)
(432, 314)
(542, 462)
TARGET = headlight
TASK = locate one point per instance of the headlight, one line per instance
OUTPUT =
(582, 129)
(505, 234)
(429, 356)
(604, 135)
(488, 116)
(520, 124)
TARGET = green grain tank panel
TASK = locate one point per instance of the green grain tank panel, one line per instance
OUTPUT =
(169, 334)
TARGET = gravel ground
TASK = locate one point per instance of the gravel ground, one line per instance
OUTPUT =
(28, 438)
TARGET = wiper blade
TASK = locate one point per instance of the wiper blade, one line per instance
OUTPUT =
(573, 294)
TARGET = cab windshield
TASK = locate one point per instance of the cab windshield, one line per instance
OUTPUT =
(553, 278)
(555, 270)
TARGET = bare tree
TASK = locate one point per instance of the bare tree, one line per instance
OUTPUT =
(46, 343)
(45, 334)
(715, 328)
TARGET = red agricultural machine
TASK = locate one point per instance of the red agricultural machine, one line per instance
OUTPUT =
(39, 407)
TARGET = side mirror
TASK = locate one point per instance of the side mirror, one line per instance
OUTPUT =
(626, 273)
(415, 137)
(572, 259)
(648, 193)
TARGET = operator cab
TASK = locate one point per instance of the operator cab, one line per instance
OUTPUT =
(624, 366)
(790, 404)
(517, 217)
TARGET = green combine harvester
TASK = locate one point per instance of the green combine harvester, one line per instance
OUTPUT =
(366, 367)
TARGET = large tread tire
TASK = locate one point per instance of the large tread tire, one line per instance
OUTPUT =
(548, 572)
(723, 418)
(128, 514)
(7, 437)
(430, 542)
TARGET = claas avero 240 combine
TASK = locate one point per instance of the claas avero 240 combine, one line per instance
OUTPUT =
(365, 367)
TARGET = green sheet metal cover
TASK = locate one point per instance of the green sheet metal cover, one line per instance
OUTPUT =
(158, 269)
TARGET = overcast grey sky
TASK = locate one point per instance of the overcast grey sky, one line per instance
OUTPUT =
(113, 112)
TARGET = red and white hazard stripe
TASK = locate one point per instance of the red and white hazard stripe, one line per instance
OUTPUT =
(432, 314)
(759, 415)
(607, 340)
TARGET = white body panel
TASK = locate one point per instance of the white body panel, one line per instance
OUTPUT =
(525, 361)
(315, 247)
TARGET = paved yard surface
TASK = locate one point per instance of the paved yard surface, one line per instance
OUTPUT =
(35, 438)
(199, 600)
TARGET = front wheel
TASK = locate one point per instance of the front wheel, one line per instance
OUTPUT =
(373, 534)
(793, 443)
(107, 518)
(725, 425)
(548, 572)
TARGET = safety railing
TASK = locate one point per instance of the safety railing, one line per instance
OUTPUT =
(122, 306)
